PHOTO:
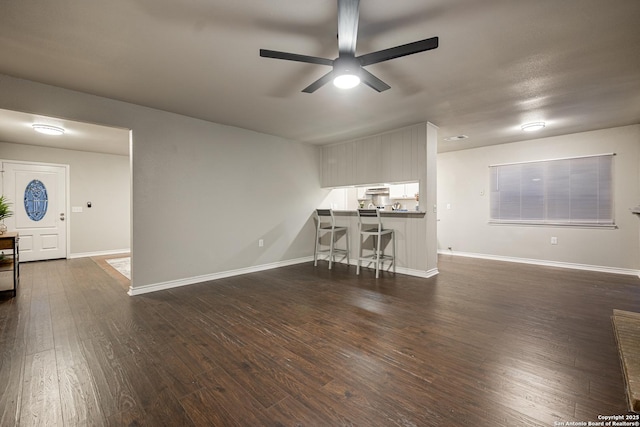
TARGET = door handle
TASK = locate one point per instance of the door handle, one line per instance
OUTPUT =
(61, 216)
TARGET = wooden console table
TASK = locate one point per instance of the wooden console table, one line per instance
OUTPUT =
(11, 261)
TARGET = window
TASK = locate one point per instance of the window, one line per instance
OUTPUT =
(576, 191)
(36, 200)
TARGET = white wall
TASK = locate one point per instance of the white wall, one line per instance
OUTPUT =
(463, 182)
(203, 194)
(103, 179)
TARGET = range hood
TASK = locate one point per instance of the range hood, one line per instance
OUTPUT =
(379, 191)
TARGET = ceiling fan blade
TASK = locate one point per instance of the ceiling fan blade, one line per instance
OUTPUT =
(319, 83)
(348, 14)
(398, 51)
(265, 53)
(372, 81)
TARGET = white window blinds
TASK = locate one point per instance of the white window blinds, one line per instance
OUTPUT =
(576, 191)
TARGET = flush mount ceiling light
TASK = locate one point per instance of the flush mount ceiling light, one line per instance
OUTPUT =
(456, 138)
(48, 129)
(532, 127)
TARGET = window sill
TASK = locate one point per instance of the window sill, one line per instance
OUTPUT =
(555, 224)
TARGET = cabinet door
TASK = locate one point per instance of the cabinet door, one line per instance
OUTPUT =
(396, 191)
(411, 189)
(368, 161)
(325, 180)
(331, 166)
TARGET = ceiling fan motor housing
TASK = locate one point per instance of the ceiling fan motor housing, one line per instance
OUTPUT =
(346, 64)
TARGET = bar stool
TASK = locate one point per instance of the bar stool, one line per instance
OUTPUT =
(327, 224)
(369, 227)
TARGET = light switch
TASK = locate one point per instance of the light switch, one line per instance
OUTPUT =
(76, 209)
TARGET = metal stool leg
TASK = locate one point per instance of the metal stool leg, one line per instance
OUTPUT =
(346, 235)
(359, 253)
(331, 255)
(393, 236)
(315, 252)
(378, 256)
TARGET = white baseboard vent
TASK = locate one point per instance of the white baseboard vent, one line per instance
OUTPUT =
(545, 263)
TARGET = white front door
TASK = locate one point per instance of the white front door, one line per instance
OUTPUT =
(38, 193)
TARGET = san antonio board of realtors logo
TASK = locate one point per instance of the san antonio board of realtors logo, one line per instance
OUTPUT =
(36, 200)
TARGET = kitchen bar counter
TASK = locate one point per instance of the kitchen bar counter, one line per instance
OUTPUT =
(410, 229)
(384, 213)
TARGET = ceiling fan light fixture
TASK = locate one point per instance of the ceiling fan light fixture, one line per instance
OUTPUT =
(346, 81)
(346, 70)
(48, 129)
(532, 127)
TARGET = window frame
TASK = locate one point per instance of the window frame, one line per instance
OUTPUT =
(545, 220)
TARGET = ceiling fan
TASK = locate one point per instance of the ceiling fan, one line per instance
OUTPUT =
(348, 68)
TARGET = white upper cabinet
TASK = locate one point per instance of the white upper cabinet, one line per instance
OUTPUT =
(412, 189)
(396, 191)
(403, 191)
(362, 192)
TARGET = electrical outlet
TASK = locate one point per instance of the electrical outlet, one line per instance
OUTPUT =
(260, 243)
(554, 240)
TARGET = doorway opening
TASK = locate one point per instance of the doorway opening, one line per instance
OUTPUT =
(96, 209)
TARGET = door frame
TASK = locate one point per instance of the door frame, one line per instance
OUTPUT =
(67, 197)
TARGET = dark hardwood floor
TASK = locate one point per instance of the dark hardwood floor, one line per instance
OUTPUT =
(482, 344)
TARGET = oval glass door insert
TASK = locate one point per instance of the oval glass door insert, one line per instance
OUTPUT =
(36, 200)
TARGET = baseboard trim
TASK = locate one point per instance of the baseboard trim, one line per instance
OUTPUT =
(154, 287)
(545, 263)
(425, 274)
(140, 290)
(99, 253)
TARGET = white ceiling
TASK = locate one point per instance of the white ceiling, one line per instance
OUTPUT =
(17, 127)
(572, 63)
